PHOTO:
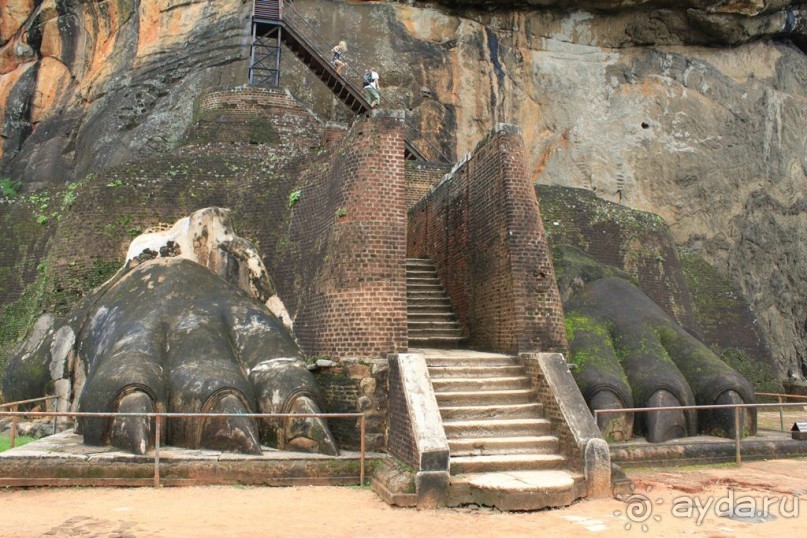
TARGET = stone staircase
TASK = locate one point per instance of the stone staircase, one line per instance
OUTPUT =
(502, 451)
(431, 321)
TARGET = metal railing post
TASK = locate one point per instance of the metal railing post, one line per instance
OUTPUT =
(361, 462)
(737, 434)
(13, 436)
(781, 415)
(157, 451)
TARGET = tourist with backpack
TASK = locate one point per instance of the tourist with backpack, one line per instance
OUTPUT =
(371, 93)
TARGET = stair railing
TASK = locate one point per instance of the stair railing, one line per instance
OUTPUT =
(353, 77)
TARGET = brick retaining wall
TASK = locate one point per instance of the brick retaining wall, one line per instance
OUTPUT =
(344, 274)
(420, 177)
(482, 229)
(400, 440)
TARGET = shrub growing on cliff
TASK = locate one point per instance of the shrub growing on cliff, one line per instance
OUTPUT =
(9, 188)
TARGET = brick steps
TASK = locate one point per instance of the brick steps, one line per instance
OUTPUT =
(440, 372)
(431, 322)
(505, 462)
(502, 451)
(470, 412)
(489, 397)
(489, 446)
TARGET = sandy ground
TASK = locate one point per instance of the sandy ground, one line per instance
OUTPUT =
(333, 511)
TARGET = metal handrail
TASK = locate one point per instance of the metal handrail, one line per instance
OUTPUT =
(159, 416)
(323, 47)
(33, 400)
(736, 407)
(779, 397)
(12, 437)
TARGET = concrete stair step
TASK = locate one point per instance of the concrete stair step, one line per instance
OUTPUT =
(419, 285)
(517, 490)
(445, 342)
(439, 304)
(419, 261)
(493, 360)
(416, 273)
(480, 383)
(490, 397)
(491, 446)
(505, 463)
(428, 316)
(426, 301)
(454, 332)
(422, 278)
(508, 427)
(438, 372)
(471, 412)
(440, 325)
(418, 293)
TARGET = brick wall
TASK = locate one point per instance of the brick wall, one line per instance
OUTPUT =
(334, 133)
(420, 177)
(482, 229)
(344, 273)
(400, 439)
(252, 115)
(352, 386)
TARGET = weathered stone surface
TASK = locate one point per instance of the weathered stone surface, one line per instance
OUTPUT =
(623, 343)
(125, 74)
(168, 332)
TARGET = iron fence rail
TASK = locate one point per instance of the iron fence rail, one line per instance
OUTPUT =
(158, 417)
(15, 407)
(779, 398)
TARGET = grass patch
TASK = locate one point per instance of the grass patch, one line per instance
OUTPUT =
(5, 441)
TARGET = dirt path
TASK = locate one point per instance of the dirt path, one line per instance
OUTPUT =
(330, 511)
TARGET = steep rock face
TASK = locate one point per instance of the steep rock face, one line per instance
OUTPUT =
(87, 85)
(635, 101)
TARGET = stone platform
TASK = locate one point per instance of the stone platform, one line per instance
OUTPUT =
(63, 460)
(703, 449)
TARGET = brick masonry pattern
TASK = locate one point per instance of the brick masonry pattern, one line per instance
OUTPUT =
(344, 271)
(482, 229)
(400, 439)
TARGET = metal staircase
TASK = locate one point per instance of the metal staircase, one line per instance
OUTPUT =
(276, 23)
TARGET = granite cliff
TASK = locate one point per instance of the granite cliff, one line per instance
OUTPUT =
(693, 110)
